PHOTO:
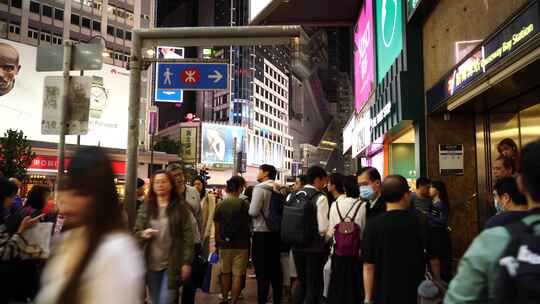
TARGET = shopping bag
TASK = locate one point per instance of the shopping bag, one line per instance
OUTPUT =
(327, 271)
(211, 278)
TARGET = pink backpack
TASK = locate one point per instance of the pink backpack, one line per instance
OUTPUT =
(347, 233)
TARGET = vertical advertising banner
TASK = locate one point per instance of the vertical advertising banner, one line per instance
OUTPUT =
(218, 143)
(188, 141)
(389, 20)
(364, 65)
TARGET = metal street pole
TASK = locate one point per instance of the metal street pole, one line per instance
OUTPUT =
(68, 46)
(79, 136)
(235, 158)
(135, 65)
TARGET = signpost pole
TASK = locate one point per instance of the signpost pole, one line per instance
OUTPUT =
(68, 45)
(133, 128)
(235, 158)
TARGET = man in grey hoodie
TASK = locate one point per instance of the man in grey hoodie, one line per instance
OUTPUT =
(266, 244)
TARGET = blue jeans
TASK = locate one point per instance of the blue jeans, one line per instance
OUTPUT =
(158, 284)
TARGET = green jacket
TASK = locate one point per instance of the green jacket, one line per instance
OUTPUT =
(181, 229)
(479, 267)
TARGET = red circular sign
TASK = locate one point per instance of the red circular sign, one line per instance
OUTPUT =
(190, 76)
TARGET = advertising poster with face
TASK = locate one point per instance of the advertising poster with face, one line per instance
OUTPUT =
(218, 143)
(22, 90)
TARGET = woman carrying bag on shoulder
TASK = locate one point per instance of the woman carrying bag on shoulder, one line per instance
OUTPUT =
(347, 222)
(164, 229)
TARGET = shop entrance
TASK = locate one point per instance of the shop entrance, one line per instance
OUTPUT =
(520, 125)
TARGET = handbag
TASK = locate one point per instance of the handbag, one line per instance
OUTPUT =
(431, 291)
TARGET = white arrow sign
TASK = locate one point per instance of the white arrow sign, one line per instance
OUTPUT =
(169, 93)
(216, 76)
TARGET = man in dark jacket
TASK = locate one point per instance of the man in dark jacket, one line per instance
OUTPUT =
(369, 181)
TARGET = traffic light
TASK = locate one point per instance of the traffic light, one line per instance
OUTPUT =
(204, 174)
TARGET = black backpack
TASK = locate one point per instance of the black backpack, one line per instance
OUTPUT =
(230, 227)
(275, 211)
(299, 225)
(518, 280)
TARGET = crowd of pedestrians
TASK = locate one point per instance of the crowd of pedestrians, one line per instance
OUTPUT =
(329, 238)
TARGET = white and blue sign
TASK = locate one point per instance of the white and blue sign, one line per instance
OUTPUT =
(174, 77)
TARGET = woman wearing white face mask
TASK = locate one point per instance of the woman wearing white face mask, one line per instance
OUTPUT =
(511, 205)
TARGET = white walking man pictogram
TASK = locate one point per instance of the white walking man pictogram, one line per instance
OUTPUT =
(167, 74)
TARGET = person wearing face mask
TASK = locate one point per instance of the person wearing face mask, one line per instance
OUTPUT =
(369, 181)
(511, 205)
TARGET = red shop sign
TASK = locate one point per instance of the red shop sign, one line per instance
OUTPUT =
(42, 162)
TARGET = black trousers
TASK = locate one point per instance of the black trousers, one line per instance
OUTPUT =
(309, 268)
(189, 287)
(267, 262)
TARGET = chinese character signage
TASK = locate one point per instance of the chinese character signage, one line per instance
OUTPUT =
(188, 140)
(389, 28)
(501, 45)
(364, 65)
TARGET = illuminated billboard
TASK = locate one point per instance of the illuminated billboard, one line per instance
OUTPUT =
(256, 7)
(218, 143)
(389, 34)
(364, 65)
(21, 99)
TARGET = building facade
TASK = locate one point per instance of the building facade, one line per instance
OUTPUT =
(28, 24)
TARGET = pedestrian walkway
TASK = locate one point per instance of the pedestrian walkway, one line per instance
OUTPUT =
(249, 293)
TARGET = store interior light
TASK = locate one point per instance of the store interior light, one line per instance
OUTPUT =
(150, 52)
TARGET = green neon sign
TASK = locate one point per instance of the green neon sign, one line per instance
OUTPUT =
(389, 20)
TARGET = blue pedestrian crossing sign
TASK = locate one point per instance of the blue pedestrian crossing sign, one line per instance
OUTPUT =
(173, 78)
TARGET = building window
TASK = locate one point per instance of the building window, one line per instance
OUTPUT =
(96, 26)
(86, 22)
(47, 11)
(58, 14)
(33, 33)
(57, 39)
(14, 28)
(16, 4)
(45, 37)
(120, 33)
(34, 7)
(128, 35)
(75, 19)
(110, 30)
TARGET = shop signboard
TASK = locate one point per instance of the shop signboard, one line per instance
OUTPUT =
(389, 29)
(48, 163)
(486, 56)
(348, 134)
(188, 142)
(21, 101)
(218, 143)
(361, 133)
(364, 63)
(451, 159)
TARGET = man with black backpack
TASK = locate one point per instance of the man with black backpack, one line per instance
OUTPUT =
(305, 227)
(266, 209)
(502, 265)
